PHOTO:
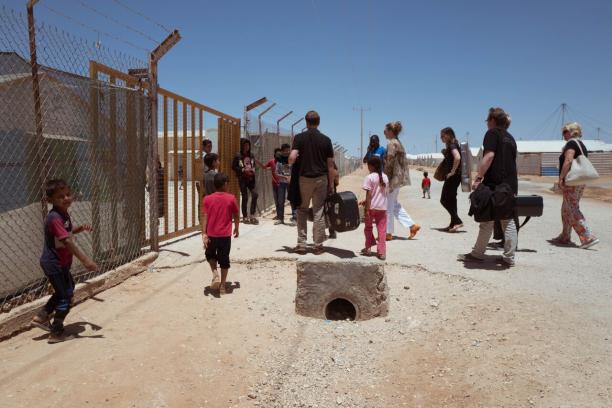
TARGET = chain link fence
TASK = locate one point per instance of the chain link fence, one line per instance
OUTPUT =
(265, 137)
(91, 132)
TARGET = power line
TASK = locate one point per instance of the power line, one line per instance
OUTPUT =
(119, 23)
(149, 19)
(75, 21)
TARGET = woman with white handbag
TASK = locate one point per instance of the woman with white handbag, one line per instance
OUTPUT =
(575, 171)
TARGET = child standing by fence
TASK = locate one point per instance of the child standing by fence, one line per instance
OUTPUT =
(56, 260)
(376, 186)
(218, 211)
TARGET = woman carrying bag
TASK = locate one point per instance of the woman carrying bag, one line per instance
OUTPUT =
(396, 169)
(452, 178)
(576, 172)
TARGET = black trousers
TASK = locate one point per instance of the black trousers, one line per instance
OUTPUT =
(247, 186)
(448, 199)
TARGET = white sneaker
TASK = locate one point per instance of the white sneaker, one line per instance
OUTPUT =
(590, 243)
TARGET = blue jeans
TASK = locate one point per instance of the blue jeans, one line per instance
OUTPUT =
(63, 290)
(281, 197)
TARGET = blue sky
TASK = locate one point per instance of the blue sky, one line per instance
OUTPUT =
(429, 64)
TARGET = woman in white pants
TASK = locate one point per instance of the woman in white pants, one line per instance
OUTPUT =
(396, 170)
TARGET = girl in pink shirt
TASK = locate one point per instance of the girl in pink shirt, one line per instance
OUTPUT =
(375, 184)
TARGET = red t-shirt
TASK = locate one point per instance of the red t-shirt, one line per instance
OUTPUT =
(426, 182)
(220, 208)
(272, 165)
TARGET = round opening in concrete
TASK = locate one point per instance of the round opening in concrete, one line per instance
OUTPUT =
(340, 309)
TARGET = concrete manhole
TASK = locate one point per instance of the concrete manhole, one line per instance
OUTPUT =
(341, 290)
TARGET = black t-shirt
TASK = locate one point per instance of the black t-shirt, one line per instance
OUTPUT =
(572, 144)
(448, 157)
(315, 148)
(503, 168)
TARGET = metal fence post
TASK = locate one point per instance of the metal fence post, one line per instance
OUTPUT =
(154, 58)
(37, 107)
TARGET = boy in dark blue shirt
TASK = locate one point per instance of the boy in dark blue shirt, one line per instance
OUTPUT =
(56, 260)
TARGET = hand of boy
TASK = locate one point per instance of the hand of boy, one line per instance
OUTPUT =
(91, 266)
(236, 233)
(205, 241)
(81, 228)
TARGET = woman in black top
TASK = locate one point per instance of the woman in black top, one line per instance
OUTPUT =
(571, 216)
(244, 166)
(452, 164)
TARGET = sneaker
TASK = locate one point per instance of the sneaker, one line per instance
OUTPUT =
(254, 221)
(507, 262)
(389, 237)
(333, 235)
(246, 220)
(42, 321)
(414, 230)
(468, 258)
(381, 257)
(318, 250)
(278, 222)
(455, 228)
(293, 219)
(223, 289)
(58, 337)
(275, 218)
(590, 243)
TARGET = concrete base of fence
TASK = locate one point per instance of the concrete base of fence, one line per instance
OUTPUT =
(18, 319)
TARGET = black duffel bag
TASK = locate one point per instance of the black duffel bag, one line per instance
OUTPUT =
(343, 211)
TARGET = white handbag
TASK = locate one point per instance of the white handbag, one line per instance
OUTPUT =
(582, 170)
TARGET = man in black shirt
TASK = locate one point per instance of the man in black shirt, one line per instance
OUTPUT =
(315, 154)
(498, 166)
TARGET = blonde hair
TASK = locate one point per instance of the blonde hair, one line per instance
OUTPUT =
(394, 127)
(573, 128)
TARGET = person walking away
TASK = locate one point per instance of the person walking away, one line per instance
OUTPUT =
(218, 211)
(375, 184)
(283, 170)
(375, 149)
(271, 165)
(332, 232)
(498, 166)
(452, 163)
(571, 216)
(395, 168)
(316, 180)
(200, 171)
(426, 185)
(56, 260)
(180, 176)
(244, 166)
(211, 160)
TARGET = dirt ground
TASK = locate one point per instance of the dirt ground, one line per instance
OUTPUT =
(537, 335)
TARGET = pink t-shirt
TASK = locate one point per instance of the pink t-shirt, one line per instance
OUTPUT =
(379, 193)
(220, 208)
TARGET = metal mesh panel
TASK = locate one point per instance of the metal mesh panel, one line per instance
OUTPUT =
(265, 137)
(94, 135)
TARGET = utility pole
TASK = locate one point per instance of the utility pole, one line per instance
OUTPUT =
(563, 109)
(467, 137)
(436, 144)
(361, 109)
(598, 130)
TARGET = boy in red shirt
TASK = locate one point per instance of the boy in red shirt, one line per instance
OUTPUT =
(56, 260)
(218, 210)
(426, 185)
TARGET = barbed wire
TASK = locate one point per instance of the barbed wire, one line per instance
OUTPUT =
(114, 20)
(83, 25)
(138, 13)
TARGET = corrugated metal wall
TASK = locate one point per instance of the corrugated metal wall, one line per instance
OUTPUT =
(550, 164)
(529, 163)
(602, 162)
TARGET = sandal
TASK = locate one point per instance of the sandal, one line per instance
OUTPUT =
(561, 241)
(366, 252)
(455, 228)
(381, 257)
(300, 250)
(318, 250)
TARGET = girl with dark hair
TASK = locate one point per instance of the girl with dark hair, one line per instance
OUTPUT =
(376, 186)
(244, 166)
(375, 150)
(452, 164)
